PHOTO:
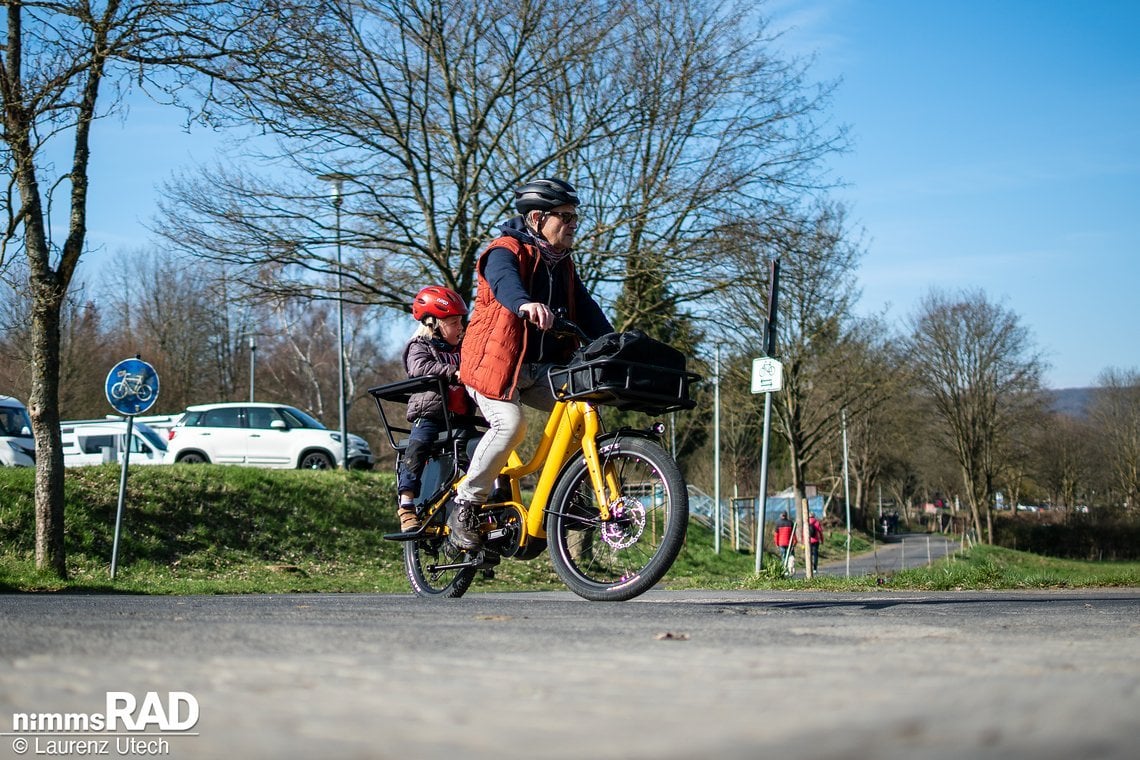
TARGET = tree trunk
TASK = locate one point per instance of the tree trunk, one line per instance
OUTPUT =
(44, 411)
(799, 502)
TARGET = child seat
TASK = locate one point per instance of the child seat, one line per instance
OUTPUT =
(452, 449)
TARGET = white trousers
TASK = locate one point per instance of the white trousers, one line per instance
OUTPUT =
(507, 430)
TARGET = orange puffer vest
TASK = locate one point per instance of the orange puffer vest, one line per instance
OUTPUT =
(495, 341)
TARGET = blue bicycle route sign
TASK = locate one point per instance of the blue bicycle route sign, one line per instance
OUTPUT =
(132, 387)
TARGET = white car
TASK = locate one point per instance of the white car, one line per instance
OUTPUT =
(261, 435)
(100, 441)
(17, 447)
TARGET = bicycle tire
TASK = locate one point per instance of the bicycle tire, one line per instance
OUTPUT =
(627, 555)
(420, 555)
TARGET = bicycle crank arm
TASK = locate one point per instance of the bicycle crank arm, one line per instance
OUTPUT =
(482, 559)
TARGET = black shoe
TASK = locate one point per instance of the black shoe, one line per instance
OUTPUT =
(463, 524)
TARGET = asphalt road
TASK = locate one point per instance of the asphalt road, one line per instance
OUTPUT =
(545, 675)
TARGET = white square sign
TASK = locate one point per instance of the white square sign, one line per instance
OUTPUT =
(767, 375)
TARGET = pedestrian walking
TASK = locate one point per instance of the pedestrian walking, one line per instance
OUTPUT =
(815, 531)
(784, 536)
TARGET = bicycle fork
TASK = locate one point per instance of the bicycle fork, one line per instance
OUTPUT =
(605, 484)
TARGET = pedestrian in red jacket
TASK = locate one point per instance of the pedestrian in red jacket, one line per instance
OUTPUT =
(784, 537)
(815, 529)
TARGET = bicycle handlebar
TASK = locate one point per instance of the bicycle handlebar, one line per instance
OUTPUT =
(563, 326)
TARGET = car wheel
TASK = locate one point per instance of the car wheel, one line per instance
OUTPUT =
(193, 457)
(315, 460)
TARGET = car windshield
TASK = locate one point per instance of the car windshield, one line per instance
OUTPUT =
(297, 418)
(153, 438)
(14, 420)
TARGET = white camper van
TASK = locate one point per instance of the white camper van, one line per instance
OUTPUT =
(17, 448)
(101, 441)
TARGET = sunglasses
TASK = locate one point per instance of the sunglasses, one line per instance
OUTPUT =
(567, 217)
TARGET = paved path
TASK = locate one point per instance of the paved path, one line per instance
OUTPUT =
(903, 551)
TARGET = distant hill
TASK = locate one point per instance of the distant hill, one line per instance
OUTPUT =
(1073, 402)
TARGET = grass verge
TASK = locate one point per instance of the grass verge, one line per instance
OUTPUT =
(207, 529)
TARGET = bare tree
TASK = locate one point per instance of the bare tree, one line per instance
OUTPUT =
(84, 344)
(1062, 458)
(16, 333)
(718, 130)
(418, 105)
(60, 62)
(977, 364)
(1116, 414)
(301, 358)
(188, 320)
(194, 323)
(877, 402)
(670, 115)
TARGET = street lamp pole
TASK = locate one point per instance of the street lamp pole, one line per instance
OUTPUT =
(252, 362)
(846, 489)
(337, 181)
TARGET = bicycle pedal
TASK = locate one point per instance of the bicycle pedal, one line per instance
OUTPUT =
(487, 559)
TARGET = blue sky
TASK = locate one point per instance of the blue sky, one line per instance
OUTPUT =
(996, 146)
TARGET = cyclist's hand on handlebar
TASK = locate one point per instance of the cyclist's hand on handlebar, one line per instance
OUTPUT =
(538, 314)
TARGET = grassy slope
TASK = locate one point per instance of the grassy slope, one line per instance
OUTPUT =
(213, 529)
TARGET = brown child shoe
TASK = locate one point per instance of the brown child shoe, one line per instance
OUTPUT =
(408, 519)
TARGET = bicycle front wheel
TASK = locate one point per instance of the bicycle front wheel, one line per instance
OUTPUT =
(627, 554)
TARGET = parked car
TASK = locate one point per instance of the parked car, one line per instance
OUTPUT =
(261, 435)
(104, 440)
(17, 447)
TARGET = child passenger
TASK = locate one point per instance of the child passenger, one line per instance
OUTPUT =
(432, 351)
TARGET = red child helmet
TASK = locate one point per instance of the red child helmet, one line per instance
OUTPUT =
(437, 301)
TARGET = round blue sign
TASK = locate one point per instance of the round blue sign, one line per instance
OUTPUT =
(132, 386)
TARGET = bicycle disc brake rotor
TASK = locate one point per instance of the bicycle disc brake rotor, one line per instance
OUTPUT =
(626, 523)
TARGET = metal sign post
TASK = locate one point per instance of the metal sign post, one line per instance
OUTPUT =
(767, 378)
(132, 388)
(716, 454)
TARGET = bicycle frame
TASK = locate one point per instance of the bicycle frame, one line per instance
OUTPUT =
(571, 426)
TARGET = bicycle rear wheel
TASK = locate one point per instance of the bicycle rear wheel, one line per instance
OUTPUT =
(421, 558)
(626, 555)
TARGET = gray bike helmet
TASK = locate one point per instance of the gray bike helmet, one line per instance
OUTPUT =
(544, 194)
